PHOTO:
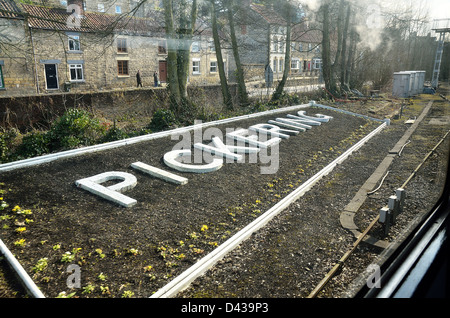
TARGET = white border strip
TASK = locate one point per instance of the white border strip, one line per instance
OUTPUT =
(187, 277)
(28, 283)
(129, 141)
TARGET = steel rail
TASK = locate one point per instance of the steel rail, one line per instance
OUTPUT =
(360, 238)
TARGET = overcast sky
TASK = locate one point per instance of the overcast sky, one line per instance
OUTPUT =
(439, 9)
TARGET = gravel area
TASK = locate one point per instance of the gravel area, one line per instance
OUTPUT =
(134, 252)
(290, 256)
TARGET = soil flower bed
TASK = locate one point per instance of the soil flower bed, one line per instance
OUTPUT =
(49, 223)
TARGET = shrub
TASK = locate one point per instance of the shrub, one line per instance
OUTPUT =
(7, 139)
(162, 119)
(33, 144)
(114, 134)
(75, 128)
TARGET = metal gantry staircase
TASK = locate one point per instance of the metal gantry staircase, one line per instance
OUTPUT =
(441, 26)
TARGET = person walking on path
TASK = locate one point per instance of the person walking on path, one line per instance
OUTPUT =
(138, 79)
(155, 78)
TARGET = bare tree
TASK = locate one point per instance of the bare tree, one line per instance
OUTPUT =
(223, 80)
(288, 11)
(242, 90)
(179, 40)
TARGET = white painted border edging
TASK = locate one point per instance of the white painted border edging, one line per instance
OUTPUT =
(28, 283)
(187, 277)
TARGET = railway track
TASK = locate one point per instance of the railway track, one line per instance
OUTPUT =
(200, 268)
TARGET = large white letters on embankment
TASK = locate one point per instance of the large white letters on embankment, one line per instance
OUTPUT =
(257, 143)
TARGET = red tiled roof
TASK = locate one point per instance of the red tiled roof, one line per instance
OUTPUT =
(47, 18)
(9, 9)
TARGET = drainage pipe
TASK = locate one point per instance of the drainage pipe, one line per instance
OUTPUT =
(25, 279)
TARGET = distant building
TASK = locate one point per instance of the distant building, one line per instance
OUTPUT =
(262, 32)
(49, 49)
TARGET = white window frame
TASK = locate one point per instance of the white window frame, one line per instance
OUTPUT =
(295, 64)
(317, 64)
(101, 7)
(75, 40)
(213, 66)
(281, 45)
(275, 65)
(76, 67)
(118, 9)
(196, 66)
(281, 65)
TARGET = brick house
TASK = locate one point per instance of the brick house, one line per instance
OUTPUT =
(94, 50)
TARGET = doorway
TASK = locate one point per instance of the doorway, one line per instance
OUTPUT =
(163, 71)
(51, 76)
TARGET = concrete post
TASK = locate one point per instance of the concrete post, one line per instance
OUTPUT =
(401, 195)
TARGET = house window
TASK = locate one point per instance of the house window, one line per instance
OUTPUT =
(300, 47)
(162, 47)
(275, 45)
(213, 67)
(275, 65)
(122, 46)
(317, 64)
(122, 68)
(309, 47)
(281, 65)
(118, 9)
(295, 64)
(74, 43)
(2, 83)
(101, 7)
(196, 66)
(76, 72)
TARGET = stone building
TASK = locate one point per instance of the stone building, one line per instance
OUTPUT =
(16, 64)
(262, 32)
(84, 50)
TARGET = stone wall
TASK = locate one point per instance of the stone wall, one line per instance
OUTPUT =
(16, 58)
(38, 111)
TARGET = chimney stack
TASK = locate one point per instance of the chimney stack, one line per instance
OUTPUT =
(79, 9)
